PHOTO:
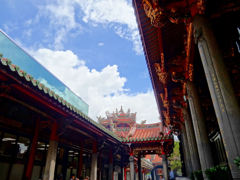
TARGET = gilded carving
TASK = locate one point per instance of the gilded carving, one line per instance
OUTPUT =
(164, 100)
(178, 77)
(162, 75)
(175, 12)
(190, 72)
(166, 116)
(155, 14)
(177, 104)
(177, 91)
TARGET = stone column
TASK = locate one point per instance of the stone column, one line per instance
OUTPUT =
(186, 152)
(115, 175)
(93, 175)
(193, 151)
(132, 171)
(139, 167)
(51, 155)
(224, 100)
(165, 167)
(200, 130)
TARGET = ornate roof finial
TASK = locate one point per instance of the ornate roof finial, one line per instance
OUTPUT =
(121, 110)
(143, 121)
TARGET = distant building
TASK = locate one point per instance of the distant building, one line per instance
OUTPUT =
(124, 125)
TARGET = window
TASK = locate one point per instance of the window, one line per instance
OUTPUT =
(8, 145)
(23, 146)
(40, 151)
(13, 156)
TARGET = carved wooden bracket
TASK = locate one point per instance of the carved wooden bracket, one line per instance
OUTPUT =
(162, 75)
(176, 12)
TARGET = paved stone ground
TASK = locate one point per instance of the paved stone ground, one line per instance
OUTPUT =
(182, 178)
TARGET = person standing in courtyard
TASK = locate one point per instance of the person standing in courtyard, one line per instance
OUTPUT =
(171, 174)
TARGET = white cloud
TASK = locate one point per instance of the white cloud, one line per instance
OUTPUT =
(113, 13)
(61, 15)
(27, 32)
(117, 12)
(108, 11)
(100, 44)
(102, 90)
(9, 27)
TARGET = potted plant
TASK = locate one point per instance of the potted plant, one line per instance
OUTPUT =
(197, 175)
(237, 162)
(218, 172)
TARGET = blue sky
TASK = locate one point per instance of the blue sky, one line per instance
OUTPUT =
(92, 46)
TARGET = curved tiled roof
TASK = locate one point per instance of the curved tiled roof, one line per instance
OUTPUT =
(122, 132)
(147, 132)
(145, 139)
(154, 158)
(136, 133)
(51, 94)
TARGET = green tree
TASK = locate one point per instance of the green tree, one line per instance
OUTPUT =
(175, 160)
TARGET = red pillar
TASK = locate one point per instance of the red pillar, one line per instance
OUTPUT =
(125, 173)
(54, 136)
(32, 151)
(94, 147)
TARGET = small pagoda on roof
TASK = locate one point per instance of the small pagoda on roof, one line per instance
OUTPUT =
(119, 122)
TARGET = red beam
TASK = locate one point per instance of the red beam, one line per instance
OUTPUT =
(38, 98)
(30, 92)
(89, 127)
(27, 105)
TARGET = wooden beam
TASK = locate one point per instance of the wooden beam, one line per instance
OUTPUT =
(27, 105)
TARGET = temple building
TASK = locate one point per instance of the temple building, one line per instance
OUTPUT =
(45, 130)
(193, 56)
(140, 136)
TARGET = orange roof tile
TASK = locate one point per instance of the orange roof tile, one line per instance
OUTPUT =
(154, 158)
(145, 132)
